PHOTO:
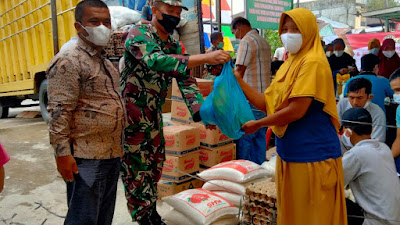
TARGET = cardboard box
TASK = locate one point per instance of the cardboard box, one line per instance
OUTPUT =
(180, 112)
(205, 86)
(211, 138)
(175, 167)
(210, 157)
(166, 188)
(181, 139)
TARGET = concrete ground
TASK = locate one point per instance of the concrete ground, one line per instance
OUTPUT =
(32, 182)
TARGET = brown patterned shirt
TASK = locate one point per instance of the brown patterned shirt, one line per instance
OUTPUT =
(86, 111)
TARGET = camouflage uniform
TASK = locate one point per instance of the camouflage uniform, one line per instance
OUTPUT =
(151, 63)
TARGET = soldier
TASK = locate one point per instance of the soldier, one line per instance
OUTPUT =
(152, 58)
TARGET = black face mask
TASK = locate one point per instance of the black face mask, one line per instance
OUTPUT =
(169, 22)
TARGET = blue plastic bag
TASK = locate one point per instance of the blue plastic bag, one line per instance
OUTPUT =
(227, 106)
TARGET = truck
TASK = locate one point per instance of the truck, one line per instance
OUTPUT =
(33, 31)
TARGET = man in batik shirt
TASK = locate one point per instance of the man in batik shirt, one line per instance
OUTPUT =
(152, 59)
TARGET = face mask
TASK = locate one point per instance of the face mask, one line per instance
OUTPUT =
(338, 53)
(396, 98)
(220, 45)
(328, 54)
(292, 42)
(346, 139)
(374, 51)
(389, 54)
(169, 22)
(99, 35)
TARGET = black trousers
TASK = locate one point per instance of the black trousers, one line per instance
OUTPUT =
(91, 197)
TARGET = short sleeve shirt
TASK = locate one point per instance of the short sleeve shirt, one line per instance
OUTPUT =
(397, 160)
(255, 53)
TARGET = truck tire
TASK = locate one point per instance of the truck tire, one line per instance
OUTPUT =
(43, 100)
(3, 112)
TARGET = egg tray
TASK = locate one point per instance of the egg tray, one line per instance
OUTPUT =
(256, 220)
(262, 190)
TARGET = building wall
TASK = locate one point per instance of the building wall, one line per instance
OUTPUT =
(343, 11)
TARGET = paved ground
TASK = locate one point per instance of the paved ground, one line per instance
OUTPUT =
(32, 178)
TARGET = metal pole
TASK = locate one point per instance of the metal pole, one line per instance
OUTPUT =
(218, 12)
(386, 25)
(386, 4)
(298, 3)
(54, 25)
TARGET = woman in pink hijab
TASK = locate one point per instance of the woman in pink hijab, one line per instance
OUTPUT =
(390, 61)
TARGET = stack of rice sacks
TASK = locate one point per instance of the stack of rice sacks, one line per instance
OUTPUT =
(230, 179)
(200, 207)
(260, 204)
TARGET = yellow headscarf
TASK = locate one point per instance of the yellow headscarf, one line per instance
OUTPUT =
(304, 74)
(375, 41)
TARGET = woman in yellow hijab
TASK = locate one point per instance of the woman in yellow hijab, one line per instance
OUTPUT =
(373, 46)
(301, 109)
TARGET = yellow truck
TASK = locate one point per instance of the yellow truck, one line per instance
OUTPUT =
(31, 33)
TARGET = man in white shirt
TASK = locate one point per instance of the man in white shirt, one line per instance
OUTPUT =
(279, 54)
(360, 96)
(370, 171)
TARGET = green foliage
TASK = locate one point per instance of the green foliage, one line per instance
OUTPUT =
(272, 36)
(380, 4)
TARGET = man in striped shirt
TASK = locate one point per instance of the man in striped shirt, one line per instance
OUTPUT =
(253, 62)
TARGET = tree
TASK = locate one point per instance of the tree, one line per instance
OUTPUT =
(272, 36)
(381, 4)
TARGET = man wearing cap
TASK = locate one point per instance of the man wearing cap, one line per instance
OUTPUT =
(380, 85)
(152, 58)
(370, 171)
(360, 96)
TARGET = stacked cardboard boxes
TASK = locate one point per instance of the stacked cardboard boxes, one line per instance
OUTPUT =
(215, 146)
(182, 143)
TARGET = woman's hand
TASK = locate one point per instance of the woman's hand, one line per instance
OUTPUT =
(251, 126)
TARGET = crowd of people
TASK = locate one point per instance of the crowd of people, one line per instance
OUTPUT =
(104, 123)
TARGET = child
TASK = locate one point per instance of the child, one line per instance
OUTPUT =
(4, 158)
(369, 170)
(395, 84)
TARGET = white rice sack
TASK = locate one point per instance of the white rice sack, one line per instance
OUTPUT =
(270, 166)
(229, 186)
(239, 171)
(232, 197)
(181, 23)
(177, 218)
(123, 16)
(202, 207)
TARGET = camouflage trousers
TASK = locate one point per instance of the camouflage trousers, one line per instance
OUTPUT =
(140, 171)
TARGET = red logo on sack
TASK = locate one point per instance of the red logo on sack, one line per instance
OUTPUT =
(203, 156)
(189, 164)
(169, 140)
(168, 165)
(198, 198)
(191, 139)
(214, 203)
(181, 111)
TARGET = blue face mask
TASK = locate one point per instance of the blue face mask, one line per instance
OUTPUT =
(374, 51)
(396, 98)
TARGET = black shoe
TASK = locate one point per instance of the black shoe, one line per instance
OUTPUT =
(155, 218)
(152, 218)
